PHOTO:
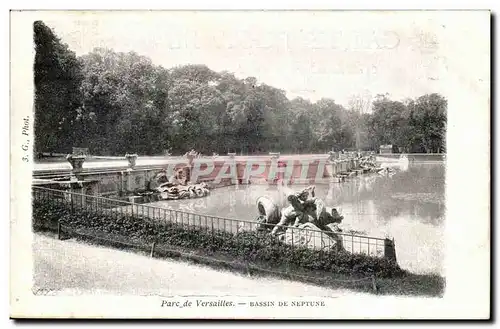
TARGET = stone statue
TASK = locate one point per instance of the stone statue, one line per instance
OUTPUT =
(306, 212)
(168, 191)
(181, 176)
(269, 213)
(177, 186)
(306, 208)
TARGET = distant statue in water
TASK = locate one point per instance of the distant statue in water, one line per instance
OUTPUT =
(174, 192)
(177, 186)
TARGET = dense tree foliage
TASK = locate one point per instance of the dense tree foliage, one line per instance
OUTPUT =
(57, 78)
(114, 103)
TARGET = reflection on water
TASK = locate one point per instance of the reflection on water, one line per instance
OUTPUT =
(408, 206)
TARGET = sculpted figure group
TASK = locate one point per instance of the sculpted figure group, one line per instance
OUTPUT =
(304, 207)
(177, 186)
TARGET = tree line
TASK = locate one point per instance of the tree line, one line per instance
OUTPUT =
(114, 103)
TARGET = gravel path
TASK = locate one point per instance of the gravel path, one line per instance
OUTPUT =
(73, 268)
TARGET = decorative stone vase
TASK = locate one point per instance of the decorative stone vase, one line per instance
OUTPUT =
(274, 155)
(332, 156)
(191, 155)
(132, 159)
(190, 158)
(76, 162)
(231, 155)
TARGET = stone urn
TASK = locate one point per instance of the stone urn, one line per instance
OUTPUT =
(132, 159)
(231, 155)
(191, 155)
(274, 155)
(76, 162)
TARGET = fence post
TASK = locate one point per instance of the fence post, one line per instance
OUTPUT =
(248, 269)
(58, 230)
(374, 284)
(152, 249)
(212, 232)
(390, 249)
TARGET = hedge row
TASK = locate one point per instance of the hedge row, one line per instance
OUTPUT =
(251, 246)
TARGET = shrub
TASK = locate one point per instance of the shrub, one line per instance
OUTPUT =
(251, 246)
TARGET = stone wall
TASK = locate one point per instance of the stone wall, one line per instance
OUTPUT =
(126, 181)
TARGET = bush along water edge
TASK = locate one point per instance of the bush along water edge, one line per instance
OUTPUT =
(248, 246)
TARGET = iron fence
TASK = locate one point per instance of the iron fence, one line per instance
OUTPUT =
(310, 238)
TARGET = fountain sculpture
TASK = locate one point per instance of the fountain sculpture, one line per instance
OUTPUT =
(306, 212)
(304, 208)
(178, 186)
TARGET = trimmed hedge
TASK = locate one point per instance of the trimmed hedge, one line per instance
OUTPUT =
(250, 246)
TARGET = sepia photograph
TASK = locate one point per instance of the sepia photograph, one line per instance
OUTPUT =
(249, 164)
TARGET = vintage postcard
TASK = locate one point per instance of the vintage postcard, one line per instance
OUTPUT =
(250, 164)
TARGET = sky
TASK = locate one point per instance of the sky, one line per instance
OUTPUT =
(313, 55)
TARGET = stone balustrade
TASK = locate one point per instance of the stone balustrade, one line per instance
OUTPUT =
(127, 180)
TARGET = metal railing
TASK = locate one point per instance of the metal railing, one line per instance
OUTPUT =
(314, 239)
